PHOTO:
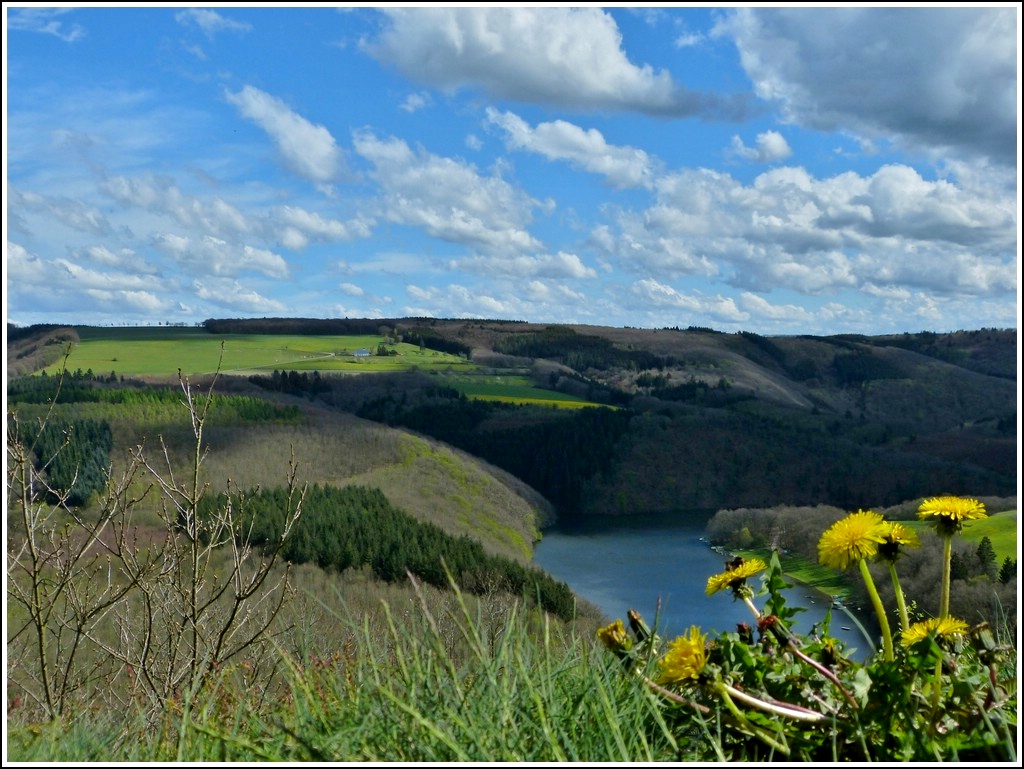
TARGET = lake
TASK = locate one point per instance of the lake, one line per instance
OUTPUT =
(633, 563)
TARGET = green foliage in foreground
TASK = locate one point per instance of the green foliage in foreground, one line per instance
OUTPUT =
(947, 694)
(457, 687)
(470, 686)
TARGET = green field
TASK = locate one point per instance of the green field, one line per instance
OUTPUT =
(162, 351)
(511, 389)
(999, 527)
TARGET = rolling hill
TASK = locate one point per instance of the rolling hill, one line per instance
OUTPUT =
(705, 420)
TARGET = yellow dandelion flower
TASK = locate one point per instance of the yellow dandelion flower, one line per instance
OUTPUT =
(850, 539)
(735, 577)
(685, 658)
(942, 627)
(948, 514)
(614, 637)
(896, 536)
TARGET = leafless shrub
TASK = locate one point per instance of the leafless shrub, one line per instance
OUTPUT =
(105, 609)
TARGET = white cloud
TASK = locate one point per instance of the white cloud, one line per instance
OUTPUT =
(210, 22)
(296, 227)
(940, 77)
(770, 146)
(654, 293)
(213, 256)
(570, 57)
(789, 230)
(44, 20)
(460, 302)
(587, 149)
(447, 198)
(34, 274)
(162, 196)
(415, 102)
(22, 267)
(552, 295)
(759, 307)
(687, 39)
(308, 149)
(124, 258)
(195, 50)
(291, 226)
(560, 265)
(59, 285)
(351, 289)
(233, 295)
(74, 213)
(392, 263)
(137, 301)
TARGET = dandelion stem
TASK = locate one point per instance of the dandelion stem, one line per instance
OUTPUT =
(947, 555)
(668, 694)
(876, 601)
(725, 690)
(753, 608)
(901, 602)
(786, 709)
(786, 637)
(823, 670)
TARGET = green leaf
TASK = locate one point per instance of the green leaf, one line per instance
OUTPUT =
(861, 686)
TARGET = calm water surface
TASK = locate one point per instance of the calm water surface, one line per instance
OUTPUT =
(649, 561)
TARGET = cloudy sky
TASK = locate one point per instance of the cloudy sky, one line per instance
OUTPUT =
(776, 170)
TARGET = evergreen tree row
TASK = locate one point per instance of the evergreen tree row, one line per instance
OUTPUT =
(79, 387)
(292, 382)
(355, 526)
(72, 456)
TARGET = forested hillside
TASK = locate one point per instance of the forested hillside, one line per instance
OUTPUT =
(702, 419)
(695, 418)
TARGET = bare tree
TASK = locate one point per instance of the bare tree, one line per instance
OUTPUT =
(104, 608)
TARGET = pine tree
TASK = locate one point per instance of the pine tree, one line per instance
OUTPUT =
(1008, 570)
(987, 557)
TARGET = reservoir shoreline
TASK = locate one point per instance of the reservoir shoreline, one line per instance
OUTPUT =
(659, 566)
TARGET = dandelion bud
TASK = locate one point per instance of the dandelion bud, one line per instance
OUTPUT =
(614, 637)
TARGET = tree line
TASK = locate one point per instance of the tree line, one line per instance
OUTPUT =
(354, 526)
(86, 387)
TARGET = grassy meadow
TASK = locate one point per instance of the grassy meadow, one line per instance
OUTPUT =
(999, 527)
(162, 351)
(511, 389)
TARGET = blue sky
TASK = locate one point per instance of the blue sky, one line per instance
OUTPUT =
(777, 170)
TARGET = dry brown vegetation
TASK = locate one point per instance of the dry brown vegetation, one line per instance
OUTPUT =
(35, 348)
(432, 482)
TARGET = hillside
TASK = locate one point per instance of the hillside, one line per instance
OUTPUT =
(729, 420)
(702, 419)
(433, 482)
